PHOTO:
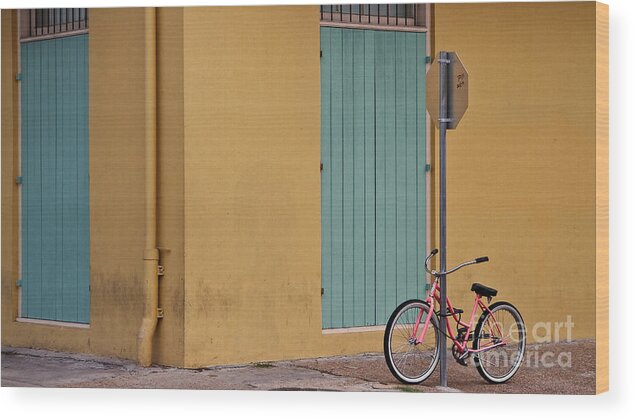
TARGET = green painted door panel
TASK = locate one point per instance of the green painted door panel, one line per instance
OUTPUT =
(55, 180)
(373, 178)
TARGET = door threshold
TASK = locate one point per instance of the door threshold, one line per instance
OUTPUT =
(52, 323)
(369, 328)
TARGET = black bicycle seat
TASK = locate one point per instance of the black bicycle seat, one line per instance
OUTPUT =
(483, 290)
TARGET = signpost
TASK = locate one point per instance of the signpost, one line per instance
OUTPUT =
(447, 101)
(457, 89)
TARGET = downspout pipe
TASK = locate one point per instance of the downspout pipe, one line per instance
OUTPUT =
(151, 252)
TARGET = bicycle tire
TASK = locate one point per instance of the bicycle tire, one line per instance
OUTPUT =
(402, 373)
(481, 362)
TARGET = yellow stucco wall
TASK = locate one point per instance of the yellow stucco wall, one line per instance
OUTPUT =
(238, 184)
(521, 165)
(117, 95)
(116, 173)
(252, 187)
(521, 173)
(10, 130)
(239, 181)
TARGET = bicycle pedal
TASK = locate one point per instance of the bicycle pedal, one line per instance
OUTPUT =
(462, 360)
(458, 311)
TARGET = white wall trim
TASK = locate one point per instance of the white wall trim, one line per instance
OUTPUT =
(52, 323)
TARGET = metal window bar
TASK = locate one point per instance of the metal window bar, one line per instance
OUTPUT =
(392, 15)
(44, 22)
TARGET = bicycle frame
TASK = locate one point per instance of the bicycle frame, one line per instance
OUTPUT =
(432, 298)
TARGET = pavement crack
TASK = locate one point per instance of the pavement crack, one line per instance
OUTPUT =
(340, 375)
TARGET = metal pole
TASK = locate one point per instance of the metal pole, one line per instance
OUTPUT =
(444, 62)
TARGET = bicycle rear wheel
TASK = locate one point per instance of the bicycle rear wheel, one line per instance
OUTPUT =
(409, 362)
(500, 363)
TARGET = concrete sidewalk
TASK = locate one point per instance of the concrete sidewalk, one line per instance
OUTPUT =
(42, 368)
(367, 372)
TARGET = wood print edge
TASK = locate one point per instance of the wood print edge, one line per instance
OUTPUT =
(602, 198)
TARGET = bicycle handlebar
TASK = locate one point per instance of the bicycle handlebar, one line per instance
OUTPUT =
(456, 268)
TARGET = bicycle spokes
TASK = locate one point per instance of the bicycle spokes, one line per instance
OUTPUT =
(500, 342)
(410, 354)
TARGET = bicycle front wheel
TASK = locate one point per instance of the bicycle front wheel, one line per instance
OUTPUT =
(502, 330)
(409, 362)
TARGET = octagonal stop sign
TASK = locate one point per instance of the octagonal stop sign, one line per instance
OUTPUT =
(457, 90)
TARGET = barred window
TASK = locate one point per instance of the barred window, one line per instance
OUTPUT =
(36, 23)
(396, 16)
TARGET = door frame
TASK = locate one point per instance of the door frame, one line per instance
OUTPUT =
(429, 159)
(19, 164)
(19, 41)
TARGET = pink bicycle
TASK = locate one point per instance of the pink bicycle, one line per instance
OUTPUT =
(412, 348)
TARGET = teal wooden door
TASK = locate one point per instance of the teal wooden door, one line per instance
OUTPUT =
(55, 230)
(373, 177)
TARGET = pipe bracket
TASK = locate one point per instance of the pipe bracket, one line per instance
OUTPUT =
(151, 254)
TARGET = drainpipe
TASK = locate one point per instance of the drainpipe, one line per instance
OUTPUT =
(150, 253)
